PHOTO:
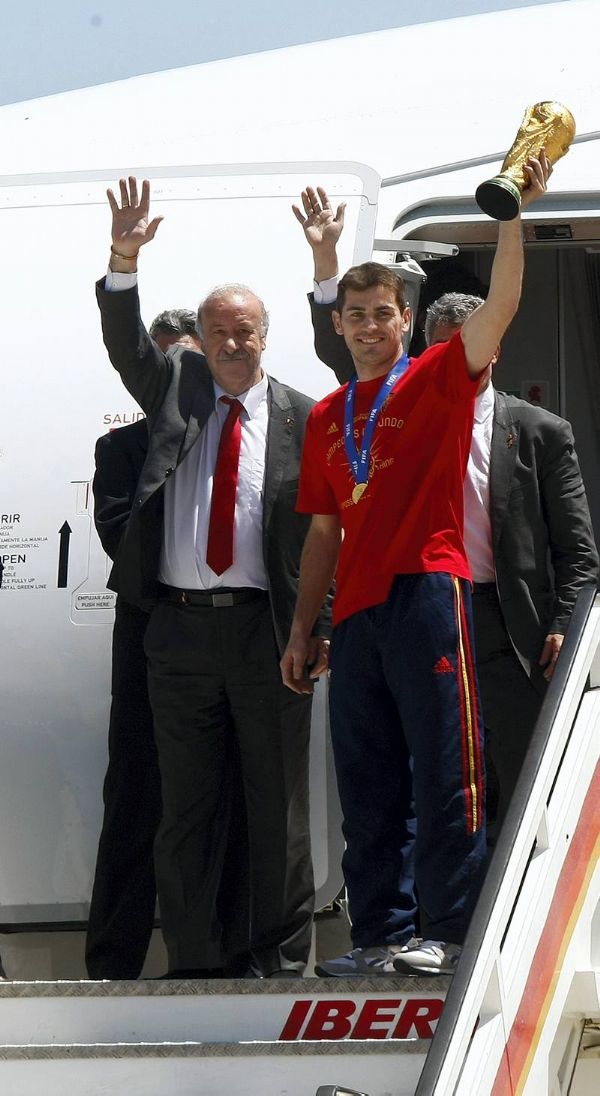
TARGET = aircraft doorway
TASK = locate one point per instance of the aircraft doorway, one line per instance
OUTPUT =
(551, 353)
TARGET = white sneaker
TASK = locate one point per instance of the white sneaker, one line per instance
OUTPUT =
(363, 962)
(428, 957)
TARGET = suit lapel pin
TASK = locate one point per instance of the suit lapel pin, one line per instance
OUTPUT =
(510, 441)
(289, 422)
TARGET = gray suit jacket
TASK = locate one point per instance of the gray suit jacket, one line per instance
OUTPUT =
(543, 542)
(176, 392)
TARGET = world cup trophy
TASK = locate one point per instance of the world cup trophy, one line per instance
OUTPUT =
(548, 126)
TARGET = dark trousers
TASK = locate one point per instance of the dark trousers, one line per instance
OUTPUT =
(124, 893)
(511, 700)
(405, 723)
(216, 693)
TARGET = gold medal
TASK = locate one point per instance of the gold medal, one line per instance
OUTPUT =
(360, 463)
(358, 492)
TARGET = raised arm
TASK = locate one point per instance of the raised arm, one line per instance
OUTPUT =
(131, 227)
(144, 369)
(484, 329)
(322, 229)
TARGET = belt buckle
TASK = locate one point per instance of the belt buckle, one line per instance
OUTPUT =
(221, 601)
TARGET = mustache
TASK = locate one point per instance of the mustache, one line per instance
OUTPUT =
(237, 356)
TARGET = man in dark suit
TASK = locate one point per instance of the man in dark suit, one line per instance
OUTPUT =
(530, 539)
(528, 531)
(221, 595)
(123, 900)
(124, 893)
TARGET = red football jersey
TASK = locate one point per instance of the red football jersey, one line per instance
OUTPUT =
(410, 518)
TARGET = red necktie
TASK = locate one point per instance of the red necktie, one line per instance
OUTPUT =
(219, 549)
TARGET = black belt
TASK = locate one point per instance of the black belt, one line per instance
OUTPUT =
(484, 588)
(215, 599)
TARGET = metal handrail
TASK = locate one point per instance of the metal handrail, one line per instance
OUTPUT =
(473, 161)
(498, 865)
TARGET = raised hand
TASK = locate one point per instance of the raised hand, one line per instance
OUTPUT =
(131, 228)
(538, 170)
(322, 227)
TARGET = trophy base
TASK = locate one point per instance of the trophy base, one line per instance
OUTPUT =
(499, 198)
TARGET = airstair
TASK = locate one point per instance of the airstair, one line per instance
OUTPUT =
(520, 1016)
(215, 1038)
(522, 1012)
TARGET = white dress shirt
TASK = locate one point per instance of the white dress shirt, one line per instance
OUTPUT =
(188, 493)
(325, 292)
(478, 525)
(116, 281)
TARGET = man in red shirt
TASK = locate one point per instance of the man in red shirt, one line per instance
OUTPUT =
(382, 474)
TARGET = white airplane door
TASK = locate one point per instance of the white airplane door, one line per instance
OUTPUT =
(59, 393)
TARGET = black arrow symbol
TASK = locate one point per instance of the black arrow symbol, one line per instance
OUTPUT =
(63, 554)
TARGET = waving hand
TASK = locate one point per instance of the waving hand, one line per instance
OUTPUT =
(131, 228)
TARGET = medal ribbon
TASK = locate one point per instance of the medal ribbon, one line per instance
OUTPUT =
(359, 462)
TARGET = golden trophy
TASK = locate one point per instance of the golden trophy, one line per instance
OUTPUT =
(548, 126)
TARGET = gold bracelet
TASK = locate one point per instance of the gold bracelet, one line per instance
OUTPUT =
(127, 258)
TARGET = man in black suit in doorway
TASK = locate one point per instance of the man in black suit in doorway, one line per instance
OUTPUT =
(218, 569)
(124, 893)
(123, 899)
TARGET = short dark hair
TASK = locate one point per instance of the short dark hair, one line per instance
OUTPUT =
(174, 321)
(368, 275)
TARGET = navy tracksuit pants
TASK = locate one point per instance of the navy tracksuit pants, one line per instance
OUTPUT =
(408, 745)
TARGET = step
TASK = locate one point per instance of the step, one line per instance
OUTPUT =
(262, 1068)
(220, 1011)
